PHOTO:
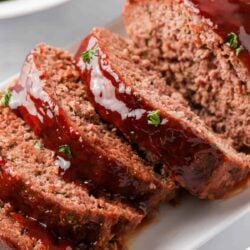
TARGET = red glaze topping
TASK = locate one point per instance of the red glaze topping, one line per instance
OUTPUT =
(191, 159)
(228, 16)
(11, 188)
(39, 232)
(50, 123)
(57, 224)
(2, 162)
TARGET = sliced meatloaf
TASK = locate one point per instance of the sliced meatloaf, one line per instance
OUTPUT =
(150, 113)
(202, 48)
(53, 100)
(20, 233)
(30, 180)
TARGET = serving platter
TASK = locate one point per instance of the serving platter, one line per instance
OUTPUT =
(193, 224)
(13, 8)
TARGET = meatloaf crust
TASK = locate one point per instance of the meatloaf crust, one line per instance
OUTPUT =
(129, 96)
(202, 48)
(30, 180)
(53, 100)
(21, 233)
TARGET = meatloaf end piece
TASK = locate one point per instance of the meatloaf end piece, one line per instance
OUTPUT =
(202, 48)
(140, 104)
(53, 100)
(21, 233)
(12, 234)
(30, 180)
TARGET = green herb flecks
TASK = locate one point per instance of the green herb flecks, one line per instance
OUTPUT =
(214, 146)
(239, 50)
(154, 118)
(70, 218)
(65, 149)
(233, 42)
(89, 54)
(6, 98)
(38, 145)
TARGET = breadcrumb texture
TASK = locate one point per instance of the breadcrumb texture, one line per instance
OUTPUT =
(175, 40)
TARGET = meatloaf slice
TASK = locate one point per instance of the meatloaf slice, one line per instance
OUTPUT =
(21, 233)
(147, 111)
(30, 181)
(202, 48)
(53, 100)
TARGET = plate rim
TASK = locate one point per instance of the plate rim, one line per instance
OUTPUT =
(16, 8)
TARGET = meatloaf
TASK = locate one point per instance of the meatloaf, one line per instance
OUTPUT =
(30, 180)
(52, 98)
(149, 112)
(202, 48)
(21, 233)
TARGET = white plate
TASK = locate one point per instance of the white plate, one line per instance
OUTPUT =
(13, 8)
(194, 223)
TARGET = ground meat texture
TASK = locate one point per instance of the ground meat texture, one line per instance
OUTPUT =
(11, 233)
(52, 98)
(21, 233)
(30, 181)
(126, 94)
(186, 42)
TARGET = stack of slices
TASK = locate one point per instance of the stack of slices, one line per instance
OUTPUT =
(90, 145)
(74, 174)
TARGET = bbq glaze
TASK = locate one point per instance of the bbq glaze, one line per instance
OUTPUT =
(88, 163)
(34, 229)
(10, 189)
(227, 16)
(192, 160)
(58, 224)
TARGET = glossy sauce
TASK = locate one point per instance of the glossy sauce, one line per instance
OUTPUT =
(57, 224)
(8, 191)
(228, 16)
(88, 164)
(39, 232)
(191, 159)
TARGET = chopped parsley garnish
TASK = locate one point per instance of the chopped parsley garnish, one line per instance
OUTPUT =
(154, 118)
(239, 49)
(38, 145)
(214, 146)
(232, 42)
(65, 149)
(70, 218)
(6, 98)
(88, 54)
